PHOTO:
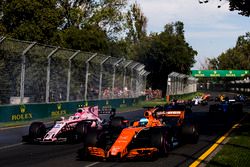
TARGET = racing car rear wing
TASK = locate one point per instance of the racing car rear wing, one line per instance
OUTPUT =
(161, 112)
(169, 114)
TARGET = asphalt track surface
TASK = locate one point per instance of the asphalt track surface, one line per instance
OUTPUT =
(14, 153)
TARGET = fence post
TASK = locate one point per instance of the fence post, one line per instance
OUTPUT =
(48, 74)
(141, 74)
(100, 79)
(2, 39)
(124, 76)
(69, 73)
(23, 71)
(145, 79)
(131, 80)
(113, 80)
(87, 75)
(139, 69)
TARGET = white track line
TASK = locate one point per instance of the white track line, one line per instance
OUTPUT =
(13, 127)
(92, 164)
(20, 126)
(10, 146)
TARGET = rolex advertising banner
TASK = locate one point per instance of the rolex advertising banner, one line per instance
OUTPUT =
(219, 73)
(26, 112)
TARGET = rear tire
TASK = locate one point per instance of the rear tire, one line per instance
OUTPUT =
(211, 108)
(190, 134)
(90, 140)
(117, 122)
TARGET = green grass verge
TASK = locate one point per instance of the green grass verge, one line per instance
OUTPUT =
(187, 96)
(154, 102)
(236, 152)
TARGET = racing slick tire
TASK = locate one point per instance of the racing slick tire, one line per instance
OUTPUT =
(189, 134)
(81, 130)
(237, 108)
(159, 141)
(212, 108)
(36, 130)
(89, 140)
(117, 122)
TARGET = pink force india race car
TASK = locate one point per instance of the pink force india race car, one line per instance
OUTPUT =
(72, 129)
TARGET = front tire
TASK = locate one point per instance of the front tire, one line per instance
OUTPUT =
(37, 130)
(159, 141)
(81, 130)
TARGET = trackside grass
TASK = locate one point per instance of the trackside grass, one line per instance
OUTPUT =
(236, 152)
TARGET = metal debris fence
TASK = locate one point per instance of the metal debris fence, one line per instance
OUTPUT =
(240, 86)
(31, 72)
(179, 84)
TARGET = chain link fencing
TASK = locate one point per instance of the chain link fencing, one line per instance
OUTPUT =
(179, 84)
(240, 86)
(36, 73)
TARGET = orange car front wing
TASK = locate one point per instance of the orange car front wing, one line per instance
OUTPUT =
(96, 152)
(142, 152)
(134, 153)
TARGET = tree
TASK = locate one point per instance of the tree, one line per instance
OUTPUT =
(109, 15)
(32, 20)
(89, 38)
(165, 52)
(237, 57)
(136, 24)
(242, 6)
(213, 63)
(43, 21)
(106, 14)
(75, 12)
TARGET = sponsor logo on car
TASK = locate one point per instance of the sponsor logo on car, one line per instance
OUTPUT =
(174, 112)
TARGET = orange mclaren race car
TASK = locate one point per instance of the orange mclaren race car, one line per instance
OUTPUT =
(156, 133)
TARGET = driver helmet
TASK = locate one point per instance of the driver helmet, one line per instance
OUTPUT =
(143, 122)
(79, 110)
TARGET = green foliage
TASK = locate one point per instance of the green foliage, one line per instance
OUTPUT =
(136, 24)
(165, 52)
(108, 14)
(243, 6)
(213, 63)
(30, 19)
(47, 21)
(237, 57)
(91, 39)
